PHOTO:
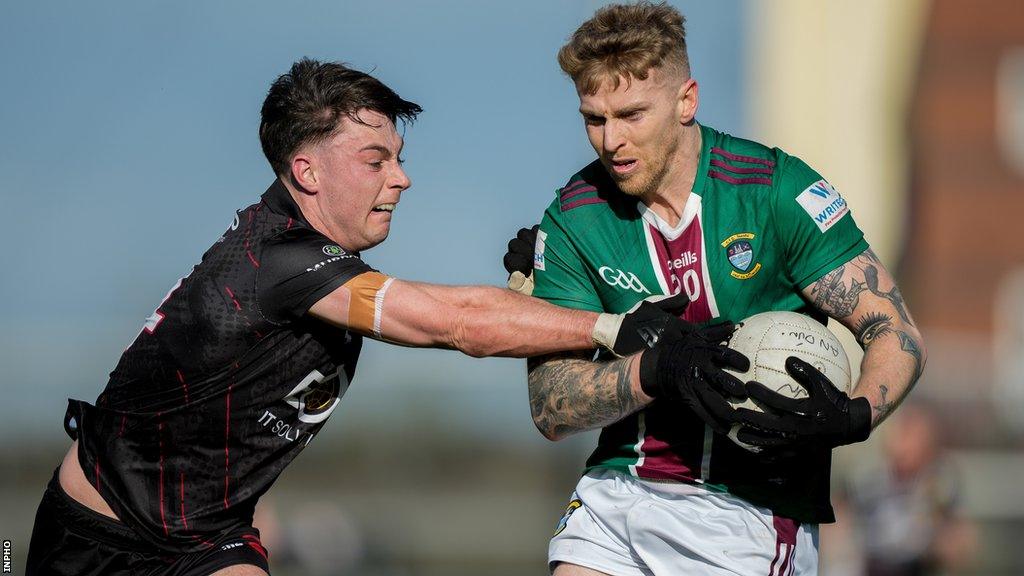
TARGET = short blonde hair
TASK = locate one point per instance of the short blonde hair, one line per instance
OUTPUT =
(625, 41)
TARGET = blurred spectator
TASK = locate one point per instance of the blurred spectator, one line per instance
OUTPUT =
(317, 539)
(908, 510)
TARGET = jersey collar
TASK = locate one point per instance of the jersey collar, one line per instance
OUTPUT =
(280, 201)
(707, 138)
(690, 212)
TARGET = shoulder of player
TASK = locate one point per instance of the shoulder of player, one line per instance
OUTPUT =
(587, 196)
(752, 167)
(298, 242)
(740, 163)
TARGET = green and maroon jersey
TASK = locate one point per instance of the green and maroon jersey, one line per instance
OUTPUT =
(759, 226)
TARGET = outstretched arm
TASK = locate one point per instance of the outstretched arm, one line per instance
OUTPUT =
(477, 320)
(483, 320)
(863, 296)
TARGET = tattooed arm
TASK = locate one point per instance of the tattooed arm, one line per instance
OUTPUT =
(863, 297)
(571, 393)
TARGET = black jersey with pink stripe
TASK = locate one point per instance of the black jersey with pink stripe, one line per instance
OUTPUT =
(226, 383)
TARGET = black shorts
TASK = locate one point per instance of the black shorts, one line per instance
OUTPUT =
(70, 539)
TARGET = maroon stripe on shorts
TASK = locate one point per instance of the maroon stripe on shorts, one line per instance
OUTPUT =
(785, 544)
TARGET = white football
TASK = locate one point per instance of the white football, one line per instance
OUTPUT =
(768, 338)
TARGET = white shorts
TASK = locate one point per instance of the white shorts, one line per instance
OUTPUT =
(625, 526)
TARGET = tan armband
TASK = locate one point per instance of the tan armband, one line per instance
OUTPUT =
(367, 301)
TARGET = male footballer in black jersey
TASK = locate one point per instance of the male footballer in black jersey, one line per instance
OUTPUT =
(247, 356)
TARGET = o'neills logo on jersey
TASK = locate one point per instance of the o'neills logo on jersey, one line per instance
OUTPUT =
(316, 396)
(688, 258)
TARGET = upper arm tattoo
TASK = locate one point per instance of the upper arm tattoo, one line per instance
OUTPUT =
(570, 393)
(883, 317)
(831, 295)
(893, 296)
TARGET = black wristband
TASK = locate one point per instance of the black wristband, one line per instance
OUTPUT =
(649, 372)
(860, 419)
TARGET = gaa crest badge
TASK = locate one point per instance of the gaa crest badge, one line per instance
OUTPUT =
(739, 249)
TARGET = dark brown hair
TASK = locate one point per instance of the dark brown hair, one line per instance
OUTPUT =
(305, 106)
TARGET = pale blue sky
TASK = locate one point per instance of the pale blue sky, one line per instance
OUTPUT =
(128, 138)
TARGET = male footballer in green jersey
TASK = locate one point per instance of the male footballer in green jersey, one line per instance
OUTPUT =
(671, 206)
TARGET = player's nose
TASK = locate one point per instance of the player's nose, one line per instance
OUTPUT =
(612, 137)
(399, 179)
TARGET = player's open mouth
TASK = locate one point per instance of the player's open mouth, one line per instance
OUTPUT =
(384, 208)
(624, 166)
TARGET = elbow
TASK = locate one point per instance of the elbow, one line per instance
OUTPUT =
(470, 333)
(912, 343)
(921, 349)
(547, 426)
(470, 348)
(549, 431)
(460, 336)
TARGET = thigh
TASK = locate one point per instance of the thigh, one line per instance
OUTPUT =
(591, 537)
(563, 569)
(241, 570)
(66, 541)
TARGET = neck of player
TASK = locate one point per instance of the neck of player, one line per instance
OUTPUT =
(668, 199)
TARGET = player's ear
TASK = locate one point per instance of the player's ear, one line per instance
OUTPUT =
(303, 172)
(688, 98)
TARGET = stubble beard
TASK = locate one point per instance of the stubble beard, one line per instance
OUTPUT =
(645, 184)
(648, 182)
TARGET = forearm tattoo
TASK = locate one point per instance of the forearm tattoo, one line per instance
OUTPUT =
(839, 293)
(570, 395)
(911, 346)
(871, 327)
(885, 405)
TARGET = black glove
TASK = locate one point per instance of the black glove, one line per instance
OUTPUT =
(519, 260)
(825, 419)
(686, 366)
(643, 325)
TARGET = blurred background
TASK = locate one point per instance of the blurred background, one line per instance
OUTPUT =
(128, 138)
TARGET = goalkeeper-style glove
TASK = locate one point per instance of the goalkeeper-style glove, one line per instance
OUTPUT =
(643, 325)
(825, 419)
(519, 260)
(688, 367)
